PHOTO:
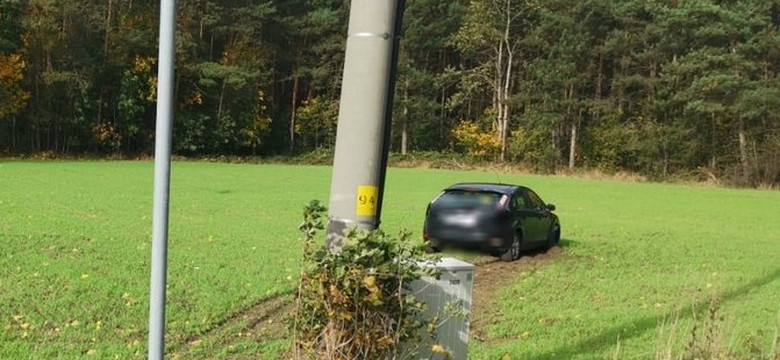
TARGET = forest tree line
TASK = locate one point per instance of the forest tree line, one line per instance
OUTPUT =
(657, 87)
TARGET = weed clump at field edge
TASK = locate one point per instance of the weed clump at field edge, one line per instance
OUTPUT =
(354, 302)
(708, 338)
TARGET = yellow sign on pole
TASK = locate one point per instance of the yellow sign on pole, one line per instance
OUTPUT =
(366, 200)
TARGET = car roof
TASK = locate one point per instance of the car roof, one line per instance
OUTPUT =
(507, 189)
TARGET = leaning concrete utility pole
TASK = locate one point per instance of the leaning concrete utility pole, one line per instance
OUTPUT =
(162, 179)
(365, 114)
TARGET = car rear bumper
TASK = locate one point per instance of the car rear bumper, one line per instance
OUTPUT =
(469, 239)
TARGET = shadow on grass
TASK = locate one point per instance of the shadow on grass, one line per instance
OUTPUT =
(632, 329)
(567, 242)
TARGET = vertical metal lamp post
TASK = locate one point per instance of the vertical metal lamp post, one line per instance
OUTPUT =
(364, 116)
(162, 177)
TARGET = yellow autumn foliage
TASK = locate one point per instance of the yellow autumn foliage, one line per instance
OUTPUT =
(476, 142)
(145, 65)
(438, 349)
(13, 98)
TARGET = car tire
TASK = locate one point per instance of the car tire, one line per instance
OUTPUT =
(554, 236)
(513, 252)
(430, 249)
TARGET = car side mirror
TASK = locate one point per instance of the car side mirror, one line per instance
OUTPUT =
(551, 207)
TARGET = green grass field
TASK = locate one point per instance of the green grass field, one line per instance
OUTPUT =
(638, 258)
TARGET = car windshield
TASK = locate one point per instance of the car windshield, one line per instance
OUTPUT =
(468, 199)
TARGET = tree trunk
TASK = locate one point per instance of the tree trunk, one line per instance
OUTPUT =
(505, 106)
(666, 159)
(504, 130)
(572, 145)
(108, 28)
(600, 78)
(443, 114)
(497, 93)
(743, 152)
(713, 161)
(404, 127)
(504, 94)
(404, 137)
(13, 134)
(756, 167)
(653, 75)
(100, 109)
(221, 100)
(293, 113)
(211, 46)
(573, 134)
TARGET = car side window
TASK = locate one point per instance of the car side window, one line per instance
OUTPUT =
(524, 200)
(519, 201)
(534, 200)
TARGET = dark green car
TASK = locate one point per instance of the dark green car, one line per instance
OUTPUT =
(500, 219)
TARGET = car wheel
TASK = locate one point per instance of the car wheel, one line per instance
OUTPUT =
(430, 249)
(554, 236)
(513, 252)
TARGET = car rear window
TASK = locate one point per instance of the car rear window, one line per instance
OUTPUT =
(468, 199)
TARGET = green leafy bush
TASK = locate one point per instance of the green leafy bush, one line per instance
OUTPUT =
(355, 303)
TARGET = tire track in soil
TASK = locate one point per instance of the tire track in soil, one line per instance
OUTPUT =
(492, 274)
(264, 320)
